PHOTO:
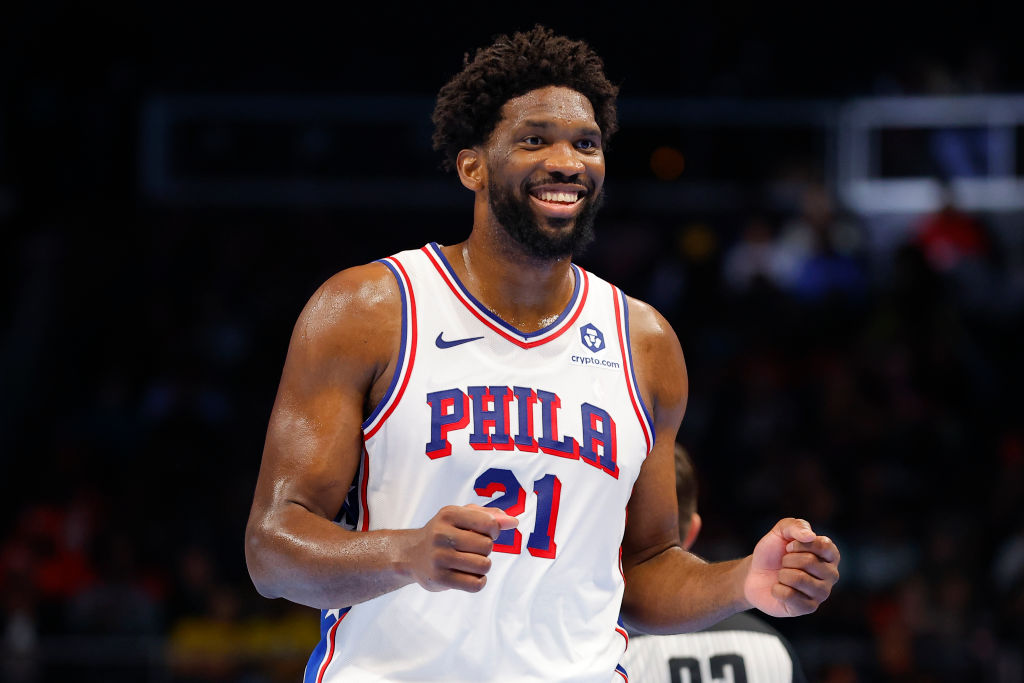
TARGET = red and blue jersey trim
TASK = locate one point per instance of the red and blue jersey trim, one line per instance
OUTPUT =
(620, 628)
(619, 669)
(363, 523)
(406, 352)
(323, 653)
(522, 339)
(622, 323)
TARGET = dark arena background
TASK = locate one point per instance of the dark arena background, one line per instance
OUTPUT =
(827, 202)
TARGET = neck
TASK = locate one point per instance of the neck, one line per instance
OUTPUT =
(525, 292)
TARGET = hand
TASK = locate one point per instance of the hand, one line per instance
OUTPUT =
(792, 570)
(451, 550)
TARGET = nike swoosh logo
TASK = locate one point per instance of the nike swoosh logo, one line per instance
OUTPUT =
(442, 344)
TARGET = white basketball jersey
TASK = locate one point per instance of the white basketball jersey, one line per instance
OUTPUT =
(546, 425)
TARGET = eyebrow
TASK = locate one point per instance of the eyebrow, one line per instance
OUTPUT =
(543, 124)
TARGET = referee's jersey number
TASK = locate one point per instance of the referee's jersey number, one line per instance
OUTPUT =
(687, 669)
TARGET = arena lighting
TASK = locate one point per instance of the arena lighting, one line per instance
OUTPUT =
(896, 153)
(667, 163)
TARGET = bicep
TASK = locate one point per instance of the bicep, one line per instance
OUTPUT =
(337, 355)
(312, 447)
(653, 524)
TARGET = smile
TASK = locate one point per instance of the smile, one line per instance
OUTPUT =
(557, 197)
(558, 200)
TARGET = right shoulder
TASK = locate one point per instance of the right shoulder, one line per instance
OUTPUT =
(361, 296)
(352, 319)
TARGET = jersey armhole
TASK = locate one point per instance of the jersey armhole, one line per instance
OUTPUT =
(406, 351)
(635, 397)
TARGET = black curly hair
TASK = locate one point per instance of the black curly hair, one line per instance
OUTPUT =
(469, 105)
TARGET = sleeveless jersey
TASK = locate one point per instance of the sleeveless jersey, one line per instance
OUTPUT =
(548, 426)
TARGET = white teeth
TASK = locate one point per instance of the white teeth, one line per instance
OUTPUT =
(565, 197)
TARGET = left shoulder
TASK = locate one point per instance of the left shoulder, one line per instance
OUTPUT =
(648, 327)
(658, 361)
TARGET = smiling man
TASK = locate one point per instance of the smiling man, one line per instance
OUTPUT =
(469, 464)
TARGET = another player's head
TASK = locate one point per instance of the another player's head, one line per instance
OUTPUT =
(686, 494)
(542, 183)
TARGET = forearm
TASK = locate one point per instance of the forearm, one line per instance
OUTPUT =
(675, 592)
(302, 557)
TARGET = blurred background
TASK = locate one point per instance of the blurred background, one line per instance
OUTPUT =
(828, 207)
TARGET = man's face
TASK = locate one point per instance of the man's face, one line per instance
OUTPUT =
(546, 171)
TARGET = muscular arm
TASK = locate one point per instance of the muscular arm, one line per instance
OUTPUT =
(668, 589)
(339, 364)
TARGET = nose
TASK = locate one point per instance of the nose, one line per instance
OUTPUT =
(563, 159)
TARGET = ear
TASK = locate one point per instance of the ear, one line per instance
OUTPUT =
(692, 531)
(472, 169)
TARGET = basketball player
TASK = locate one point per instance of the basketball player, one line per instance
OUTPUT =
(747, 647)
(508, 421)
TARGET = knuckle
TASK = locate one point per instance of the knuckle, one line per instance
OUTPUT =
(438, 561)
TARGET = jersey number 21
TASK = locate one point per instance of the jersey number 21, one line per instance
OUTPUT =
(513, 501)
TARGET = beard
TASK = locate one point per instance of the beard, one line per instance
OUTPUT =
(521, 224)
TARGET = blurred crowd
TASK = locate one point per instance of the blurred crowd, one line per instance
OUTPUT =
(875, 394)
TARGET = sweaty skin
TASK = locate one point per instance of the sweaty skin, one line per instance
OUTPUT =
(340, 362)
